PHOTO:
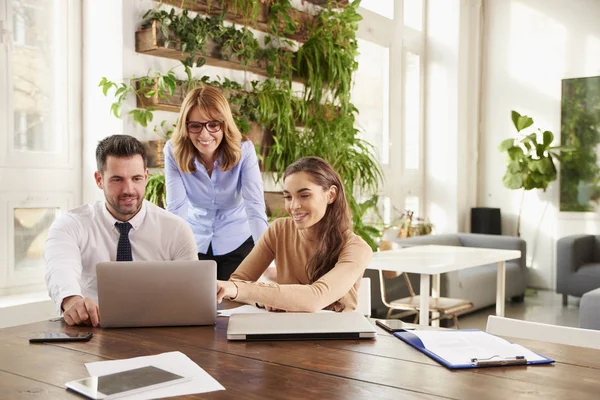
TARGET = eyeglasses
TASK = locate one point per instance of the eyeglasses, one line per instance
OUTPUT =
(196, 127)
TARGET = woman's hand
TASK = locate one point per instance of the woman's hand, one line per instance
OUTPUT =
(226, 289)
(271, 309)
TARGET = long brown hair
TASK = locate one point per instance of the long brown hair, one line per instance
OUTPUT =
(210, 102)
(333, 227)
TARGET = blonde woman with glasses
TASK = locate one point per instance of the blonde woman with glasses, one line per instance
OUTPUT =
(213, 180)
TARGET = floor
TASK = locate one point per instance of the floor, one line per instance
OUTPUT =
(539, 306)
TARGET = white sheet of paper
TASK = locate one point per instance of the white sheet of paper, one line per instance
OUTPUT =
(459, 347)
(174, 361)
(246, 309)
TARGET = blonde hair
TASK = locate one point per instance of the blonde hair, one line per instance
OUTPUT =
(210, 102)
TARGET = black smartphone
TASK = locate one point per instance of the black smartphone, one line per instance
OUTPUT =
(61, 337)
(392, 325)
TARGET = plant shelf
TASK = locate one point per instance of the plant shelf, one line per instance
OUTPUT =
(214, 8)
(150, 40)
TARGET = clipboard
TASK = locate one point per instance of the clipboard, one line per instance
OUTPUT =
(473, 347)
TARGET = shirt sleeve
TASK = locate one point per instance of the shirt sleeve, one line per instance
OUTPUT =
(63, 260)
(185, 244)
(253, 192)
(176, 193)
(331, 287)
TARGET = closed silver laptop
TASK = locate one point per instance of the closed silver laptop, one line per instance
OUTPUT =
(157, 293)
(299, 326)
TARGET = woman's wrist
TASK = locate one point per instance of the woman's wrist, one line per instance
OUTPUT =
(237, 290)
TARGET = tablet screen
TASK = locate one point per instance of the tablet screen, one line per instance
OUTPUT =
(128, 380)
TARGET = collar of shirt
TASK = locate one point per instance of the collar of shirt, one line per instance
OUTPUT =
(200, 166)
(135, 222)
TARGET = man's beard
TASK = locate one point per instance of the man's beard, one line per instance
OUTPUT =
(117, 208)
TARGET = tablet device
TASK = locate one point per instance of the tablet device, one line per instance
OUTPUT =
(124, 383)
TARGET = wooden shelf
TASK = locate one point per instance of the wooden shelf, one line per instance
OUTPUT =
(214, 8)
(151, 41)
(173, 103)
(170, 103)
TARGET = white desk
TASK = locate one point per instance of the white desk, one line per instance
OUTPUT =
(434, 260)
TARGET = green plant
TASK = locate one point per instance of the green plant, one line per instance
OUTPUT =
(530, 159)
(160, 84)
(155, 190)
(190, 33)
(165, 129)
(359, 210)
(327, 60)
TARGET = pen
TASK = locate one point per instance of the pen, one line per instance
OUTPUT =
(517, 360)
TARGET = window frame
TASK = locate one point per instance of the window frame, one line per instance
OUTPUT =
(36, 179)
(69, 57)
(400, 182)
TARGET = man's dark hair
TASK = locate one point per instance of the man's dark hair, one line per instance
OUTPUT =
(119, 146)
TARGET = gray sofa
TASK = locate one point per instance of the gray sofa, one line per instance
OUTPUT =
(589, 310)
(476, 284)
(577, 265)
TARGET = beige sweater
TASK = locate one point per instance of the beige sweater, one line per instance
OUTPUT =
(291, 250)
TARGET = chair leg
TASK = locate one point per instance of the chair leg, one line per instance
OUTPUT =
(565, 299)
(455, 321)
(389, 313)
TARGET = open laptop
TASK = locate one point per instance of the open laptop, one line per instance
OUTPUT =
(157, 293)
(299, 326)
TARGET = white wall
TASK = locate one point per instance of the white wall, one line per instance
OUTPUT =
(529, 46)
(102, 56)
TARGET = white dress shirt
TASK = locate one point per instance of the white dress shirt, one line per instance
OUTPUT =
(86, 236)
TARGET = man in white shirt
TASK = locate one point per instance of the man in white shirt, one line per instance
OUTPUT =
(124, 227)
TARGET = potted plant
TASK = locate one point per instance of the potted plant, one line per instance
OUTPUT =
(530, 159)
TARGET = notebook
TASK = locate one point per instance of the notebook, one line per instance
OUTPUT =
(157, 293)
(469, 348)
(299, 326)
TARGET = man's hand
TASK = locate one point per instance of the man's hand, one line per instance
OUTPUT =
(226, 289)
(80, 311)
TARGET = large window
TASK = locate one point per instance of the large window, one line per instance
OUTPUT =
(388, 92)
(39, 131)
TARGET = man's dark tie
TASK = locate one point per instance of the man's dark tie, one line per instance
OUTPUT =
(124, 246)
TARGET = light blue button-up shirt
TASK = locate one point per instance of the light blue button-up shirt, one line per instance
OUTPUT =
(225, 208)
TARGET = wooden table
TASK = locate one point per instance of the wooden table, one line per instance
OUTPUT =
(384, 368)
(433, 260)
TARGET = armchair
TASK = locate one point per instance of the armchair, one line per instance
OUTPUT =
(577, 265)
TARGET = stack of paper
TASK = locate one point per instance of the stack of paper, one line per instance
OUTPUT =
(460, 347)
(175, 362)
(247, 309)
